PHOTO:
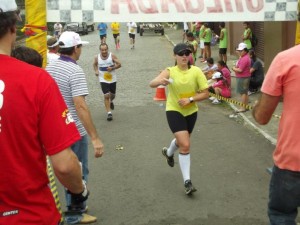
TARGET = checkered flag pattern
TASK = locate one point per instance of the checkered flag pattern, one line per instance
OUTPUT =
(279, 10)
(82, 10)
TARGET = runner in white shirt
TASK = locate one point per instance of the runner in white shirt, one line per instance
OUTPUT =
(131, 31)
(104, 66)
(57, 30)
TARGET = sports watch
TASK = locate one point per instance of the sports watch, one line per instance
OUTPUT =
(191, 99)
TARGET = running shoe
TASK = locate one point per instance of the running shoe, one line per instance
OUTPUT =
(109, 117)
(212, 98)
(170, 159)
(189, 189)
(216, 102)
(112, 106)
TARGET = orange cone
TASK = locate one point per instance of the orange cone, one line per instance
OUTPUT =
(160, 94)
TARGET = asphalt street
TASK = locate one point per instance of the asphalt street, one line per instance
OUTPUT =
(135, 186)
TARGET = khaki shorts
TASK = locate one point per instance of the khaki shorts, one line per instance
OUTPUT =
(242, 85)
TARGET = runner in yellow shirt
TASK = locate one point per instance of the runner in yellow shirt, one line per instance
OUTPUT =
(115, 27)
(187, 86)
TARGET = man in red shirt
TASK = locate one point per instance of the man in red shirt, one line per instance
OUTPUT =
(31, 108)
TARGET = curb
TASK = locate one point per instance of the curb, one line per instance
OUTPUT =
(262, 132)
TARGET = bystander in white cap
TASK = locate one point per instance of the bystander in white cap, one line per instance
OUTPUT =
(241, 46)
(216, 75)
(8, 5)
(70, 39)
(52, 42)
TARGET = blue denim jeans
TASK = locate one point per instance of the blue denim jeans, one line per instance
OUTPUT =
(284, 197)
(80, 148)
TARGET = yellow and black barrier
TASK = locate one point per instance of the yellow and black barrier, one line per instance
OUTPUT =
(230, 100)
(53, 188)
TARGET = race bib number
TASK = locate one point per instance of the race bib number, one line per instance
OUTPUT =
(132, 30)
(187, 95)
(107, 76)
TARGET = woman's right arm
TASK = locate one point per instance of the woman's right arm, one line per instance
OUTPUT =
(161, 79)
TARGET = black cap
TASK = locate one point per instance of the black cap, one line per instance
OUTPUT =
(180, 47)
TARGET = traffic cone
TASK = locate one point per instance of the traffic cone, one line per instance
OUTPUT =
(160, 94)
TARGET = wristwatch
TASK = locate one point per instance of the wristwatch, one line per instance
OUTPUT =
(191, 99)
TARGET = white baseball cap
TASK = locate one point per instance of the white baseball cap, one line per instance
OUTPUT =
(70, 39)
(241, 46)
(216, 75)
(8, 5)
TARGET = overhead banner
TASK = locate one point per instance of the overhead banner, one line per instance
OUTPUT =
(171, 10)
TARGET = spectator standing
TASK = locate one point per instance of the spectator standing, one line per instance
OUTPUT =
(242, 73)
(104, 66)
(247, 35)
(25, 190)
(73, 86)
(191, 40)
(202, 52)
(283, 80)
(181, 107)
(223, 42)
(185, 30)
(57, 29)
(102, 27)
(53, 47)
(207, 36)
(132, 31)
(193, 28)
(115, 27)
(197, 29)
(257, 73)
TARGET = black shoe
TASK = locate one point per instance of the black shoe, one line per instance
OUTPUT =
(189, 189)
(109, 117)
(170, 159)
(112, 106)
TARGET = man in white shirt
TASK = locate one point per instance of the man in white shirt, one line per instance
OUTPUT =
(57, 30)
(131, 31)
(53, 47)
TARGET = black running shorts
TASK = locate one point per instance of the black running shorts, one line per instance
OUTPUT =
(108, 87)
(178, 122)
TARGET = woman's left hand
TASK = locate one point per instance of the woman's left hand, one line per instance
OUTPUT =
(183, 102)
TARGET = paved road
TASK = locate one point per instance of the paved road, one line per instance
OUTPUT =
(134, 186)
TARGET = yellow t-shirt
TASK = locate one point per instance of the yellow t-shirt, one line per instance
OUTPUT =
(185, 84)
(115, 27)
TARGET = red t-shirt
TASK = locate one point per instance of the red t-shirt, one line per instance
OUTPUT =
(33, 124)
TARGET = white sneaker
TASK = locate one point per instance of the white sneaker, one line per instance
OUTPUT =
(212, 98)
(216, 101)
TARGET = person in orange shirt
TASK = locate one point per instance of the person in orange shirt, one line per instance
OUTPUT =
(282, 79)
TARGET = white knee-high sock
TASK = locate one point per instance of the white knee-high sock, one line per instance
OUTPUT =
(172, 148)
(185, 164)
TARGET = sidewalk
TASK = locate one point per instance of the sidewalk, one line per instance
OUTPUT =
(269, 131)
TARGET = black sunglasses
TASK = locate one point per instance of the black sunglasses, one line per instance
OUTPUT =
(184, 52)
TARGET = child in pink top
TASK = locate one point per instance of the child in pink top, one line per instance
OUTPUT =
(225, 71)
(220, 87)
